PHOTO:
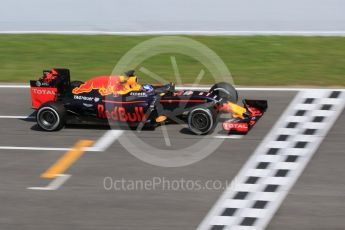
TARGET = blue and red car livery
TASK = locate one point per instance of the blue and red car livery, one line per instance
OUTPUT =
(122, 100)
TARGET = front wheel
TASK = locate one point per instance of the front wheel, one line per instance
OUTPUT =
(51, 116)
(225, 91)
(201, 121)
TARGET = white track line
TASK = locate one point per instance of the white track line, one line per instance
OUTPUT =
(208, 87)
(229, 136)
(266, 178)
(101, 145)
(187, 32)
(16, 117)
(15, 86)
(53, 185)
(255, 88)
(105, 141)
(34, 148)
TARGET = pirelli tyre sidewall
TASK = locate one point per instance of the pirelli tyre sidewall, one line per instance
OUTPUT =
(202, 120)
(51, 116)
(225, 91)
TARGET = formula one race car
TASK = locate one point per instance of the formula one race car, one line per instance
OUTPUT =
(122, 100)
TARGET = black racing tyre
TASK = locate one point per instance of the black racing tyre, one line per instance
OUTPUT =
(75, 84)
(201, 120)
(51, 116)
(225, 91)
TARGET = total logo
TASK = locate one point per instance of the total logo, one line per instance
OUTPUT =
(235, 126)
(43, 91)
(120, 114)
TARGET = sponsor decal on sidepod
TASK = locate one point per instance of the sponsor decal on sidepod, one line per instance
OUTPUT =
(84, 98)
(120, 114)
(43, 91)
(235, 126)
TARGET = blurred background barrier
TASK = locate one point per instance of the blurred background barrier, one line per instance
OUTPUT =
(252, 60)
(323, 17)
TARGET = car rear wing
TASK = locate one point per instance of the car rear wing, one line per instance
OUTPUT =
(49, 87)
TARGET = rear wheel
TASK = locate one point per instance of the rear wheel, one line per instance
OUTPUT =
(225, 91)
(201, 120)
(51, 116)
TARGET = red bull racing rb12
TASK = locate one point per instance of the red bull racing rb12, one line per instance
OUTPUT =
(123, 101)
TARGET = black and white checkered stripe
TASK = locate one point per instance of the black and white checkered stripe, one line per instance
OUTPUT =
(266, 178)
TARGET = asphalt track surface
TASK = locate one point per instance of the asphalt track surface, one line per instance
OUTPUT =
(82, 202)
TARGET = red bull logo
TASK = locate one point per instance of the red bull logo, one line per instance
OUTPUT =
(229, 107)
(109, 85)
(120, 114)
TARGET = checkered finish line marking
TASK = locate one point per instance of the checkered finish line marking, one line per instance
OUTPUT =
(260, 187)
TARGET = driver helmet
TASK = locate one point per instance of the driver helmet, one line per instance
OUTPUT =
(147, 88)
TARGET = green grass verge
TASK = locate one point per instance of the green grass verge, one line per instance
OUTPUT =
(255, 60)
